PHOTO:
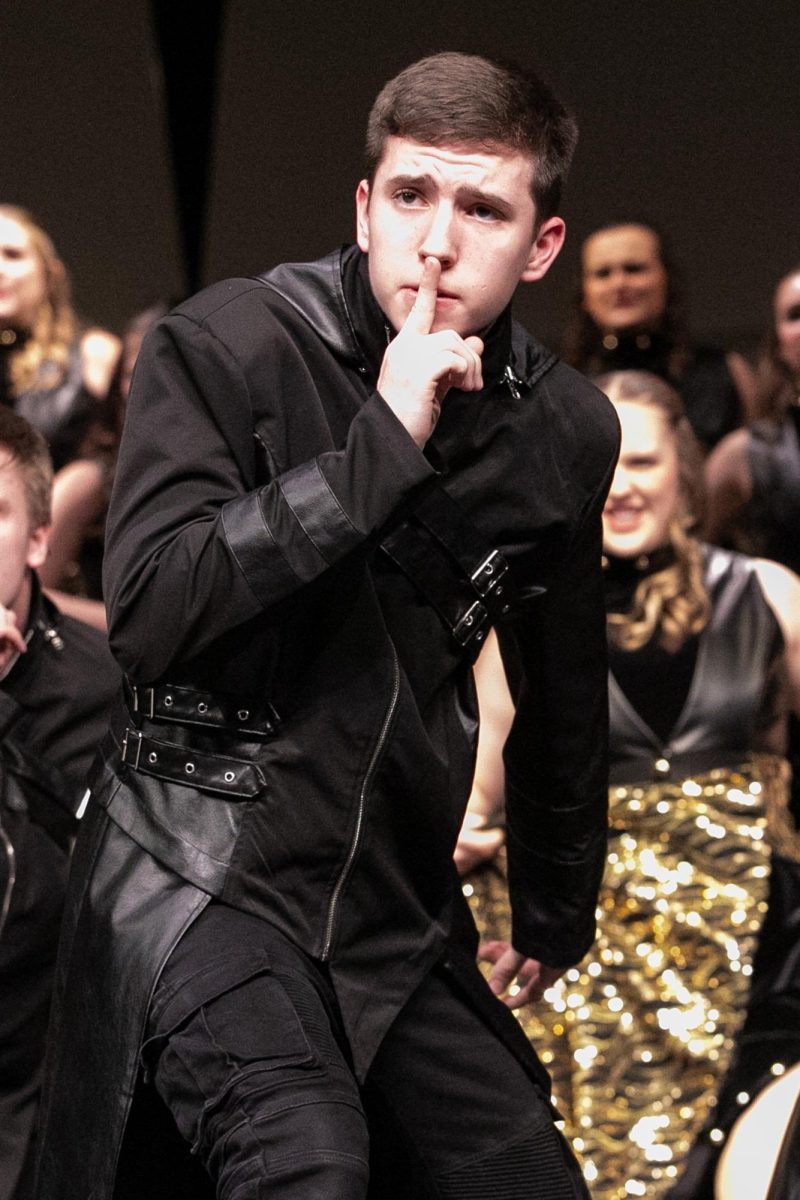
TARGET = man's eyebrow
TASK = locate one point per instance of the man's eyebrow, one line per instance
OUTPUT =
(474, 195)
(465, 193)
(409, 181)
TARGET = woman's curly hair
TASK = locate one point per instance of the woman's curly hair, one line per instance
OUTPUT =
(42, 359)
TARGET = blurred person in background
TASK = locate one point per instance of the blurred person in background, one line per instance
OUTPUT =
(55, 373)
(629, 314)
(690, 1003)
(753, 476)
(83, 489)
(57, 681)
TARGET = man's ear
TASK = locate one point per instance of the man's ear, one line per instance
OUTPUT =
(545, 249)
(362, 215)
(38, 544)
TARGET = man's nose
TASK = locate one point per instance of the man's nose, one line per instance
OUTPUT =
(440, 237)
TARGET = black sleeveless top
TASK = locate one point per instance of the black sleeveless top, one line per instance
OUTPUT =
(705, 384)
(771, 521)
(61, 413)
(727, 699)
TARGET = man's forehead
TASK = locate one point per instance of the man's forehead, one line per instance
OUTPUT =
(473, 160)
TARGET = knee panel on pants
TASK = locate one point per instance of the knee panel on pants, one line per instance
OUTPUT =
(534, 1167)
(257, 1086)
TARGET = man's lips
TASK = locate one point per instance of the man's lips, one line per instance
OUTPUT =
(441, 293)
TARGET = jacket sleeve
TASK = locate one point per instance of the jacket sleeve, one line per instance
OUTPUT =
(192, 548)
(556, 756)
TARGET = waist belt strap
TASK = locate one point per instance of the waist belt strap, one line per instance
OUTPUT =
(231, 777)
(187, 706)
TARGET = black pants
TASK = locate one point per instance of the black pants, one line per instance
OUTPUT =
(245, 1048)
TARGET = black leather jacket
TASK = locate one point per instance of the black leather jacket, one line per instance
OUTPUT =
(294, 622)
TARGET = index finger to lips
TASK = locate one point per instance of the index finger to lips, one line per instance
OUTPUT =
(420, 319)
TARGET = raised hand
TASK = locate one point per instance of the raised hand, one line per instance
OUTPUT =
(419, 367)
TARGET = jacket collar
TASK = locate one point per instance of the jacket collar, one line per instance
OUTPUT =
(334, 296)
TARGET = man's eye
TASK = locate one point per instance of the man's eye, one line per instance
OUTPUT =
(601, 273)
(484, 213)
(407, 197)
(634, 268)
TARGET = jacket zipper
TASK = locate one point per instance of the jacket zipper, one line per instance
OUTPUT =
(512, 381)
(362, 803)
(12, 877)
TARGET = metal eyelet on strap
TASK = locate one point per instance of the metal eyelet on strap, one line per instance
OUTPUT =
(168, 701)
(229, 776)
(472, 623)
(243, 714)
(189, 768)
(152, 757)
(487, 575)
(202, 707)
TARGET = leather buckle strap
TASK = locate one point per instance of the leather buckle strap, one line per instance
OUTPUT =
(472, 626)
(488, 578)
(453, 530)
(188, 706)
(143, 700)
(131, 738)
(232, 777)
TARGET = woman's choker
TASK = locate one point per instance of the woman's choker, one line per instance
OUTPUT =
(640, 565)
(622, 576)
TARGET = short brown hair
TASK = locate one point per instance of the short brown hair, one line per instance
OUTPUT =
(456, 99)
(29, 451)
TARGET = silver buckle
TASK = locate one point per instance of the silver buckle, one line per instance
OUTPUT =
(471, 624)
(147, 709)
(125, 746)
(486, 577)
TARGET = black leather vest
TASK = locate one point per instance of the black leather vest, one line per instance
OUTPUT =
(732, 691)
(60, 413)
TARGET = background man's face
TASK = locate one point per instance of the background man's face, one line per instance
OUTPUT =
(471, 209)
(21, 546)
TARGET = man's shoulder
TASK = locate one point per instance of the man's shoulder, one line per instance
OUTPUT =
(587, 405)
(212, 302)
(574, 404)
(301, 285)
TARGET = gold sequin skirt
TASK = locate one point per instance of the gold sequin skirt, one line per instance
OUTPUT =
(638, 1036)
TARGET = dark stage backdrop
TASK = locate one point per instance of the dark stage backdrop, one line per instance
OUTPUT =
(688, 112)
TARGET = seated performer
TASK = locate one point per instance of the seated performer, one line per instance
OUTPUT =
(630, 316)
(688, 976)
(57, 683)
(324, 497)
